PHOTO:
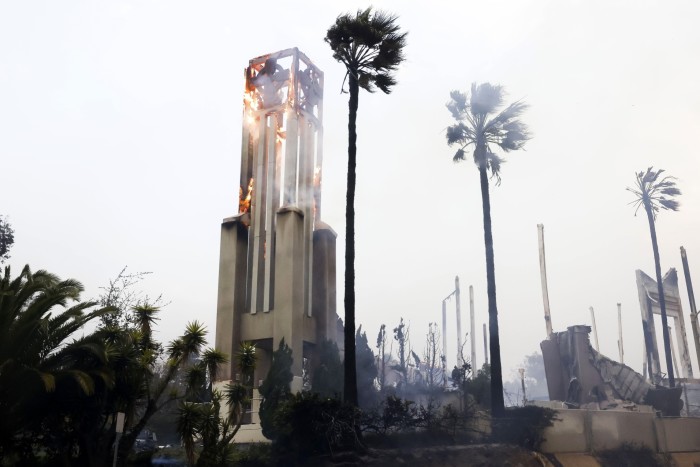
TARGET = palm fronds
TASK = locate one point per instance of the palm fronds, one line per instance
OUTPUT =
(654, 190)
(370, 45)
(481, 125)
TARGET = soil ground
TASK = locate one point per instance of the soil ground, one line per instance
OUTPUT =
(479, 455)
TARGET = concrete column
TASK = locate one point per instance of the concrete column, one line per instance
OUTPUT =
(232, 291)
(543, 278)
(595, 329)
(472, 328)
(620, 345)
(587, 375)
(648, 325)
(289, 284)
(691, 301)
(444, 328)
(486, 347)
(324, 278)
(459, 323)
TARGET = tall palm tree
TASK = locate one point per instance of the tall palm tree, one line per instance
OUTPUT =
(370, 45)
(481, 127)
(654, 193)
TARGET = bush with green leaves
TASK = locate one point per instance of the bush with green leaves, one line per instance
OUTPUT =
(479, 386)
(275, 388)
(523, 426)
(632, 455)
(329, 425)
(327, 379)
(392, 415)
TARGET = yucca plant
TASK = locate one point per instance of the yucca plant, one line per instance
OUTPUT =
(482, 128)
(655, 192)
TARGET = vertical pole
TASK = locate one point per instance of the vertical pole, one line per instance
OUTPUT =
(673, 351)
(444, 329)
(595, 329)
(691, 300)
(459, 324)
(486, 348)
(472, 336)
(543, 276)
(116, 449)
(522, 382)
(119, 428)
(620, 347)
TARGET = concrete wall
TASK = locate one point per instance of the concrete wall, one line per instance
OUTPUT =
(589, 430)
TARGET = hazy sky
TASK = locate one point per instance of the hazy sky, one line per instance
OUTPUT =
(120, 130)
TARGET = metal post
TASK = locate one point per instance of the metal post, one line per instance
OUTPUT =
(459, 324)
(595, 330)
(522, 382)
(543, 276)
(444, 329)
(486, 347)
(472, 336)
(673, 351)
(691, 300)
(119, 428)
(620, 347)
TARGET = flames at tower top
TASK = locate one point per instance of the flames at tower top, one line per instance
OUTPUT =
(282, 133)
(283, 80)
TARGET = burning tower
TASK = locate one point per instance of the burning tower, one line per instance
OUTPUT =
(277, 259)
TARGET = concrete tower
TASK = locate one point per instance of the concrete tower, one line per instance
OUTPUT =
(277, 261)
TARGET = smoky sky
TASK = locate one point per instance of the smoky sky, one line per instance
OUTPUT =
(120, 135)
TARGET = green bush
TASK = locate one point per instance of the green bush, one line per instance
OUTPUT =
(398, 422)
(632, 455)
(254, 455)
(523, 426)
(309, 425)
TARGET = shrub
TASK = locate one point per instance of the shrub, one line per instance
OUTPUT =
(328, 425)
(254, 455)
(523, 426)
(632, 455)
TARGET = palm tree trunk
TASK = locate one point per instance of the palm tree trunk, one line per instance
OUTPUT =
(350, 385)
(497, 406)
(662, 299)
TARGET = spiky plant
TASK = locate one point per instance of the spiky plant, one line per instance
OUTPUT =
(41, 363)
(370, 45)
(482, 128)
(655, 192)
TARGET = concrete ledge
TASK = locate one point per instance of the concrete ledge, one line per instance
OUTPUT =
(678, 434)
(580, 431)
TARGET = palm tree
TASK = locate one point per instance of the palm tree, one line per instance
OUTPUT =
(42, 371)
(370, 45)
(654, 193)
(480, 124)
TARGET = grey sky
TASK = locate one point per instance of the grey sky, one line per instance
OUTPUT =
(120, 145)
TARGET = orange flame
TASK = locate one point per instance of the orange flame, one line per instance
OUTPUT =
(244, 203)
(252, 104)
(317, 176)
